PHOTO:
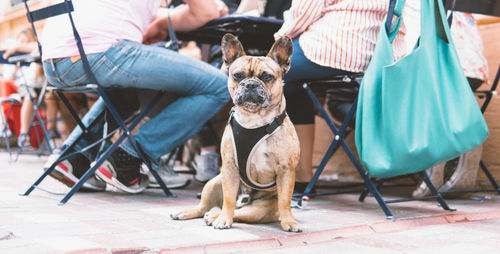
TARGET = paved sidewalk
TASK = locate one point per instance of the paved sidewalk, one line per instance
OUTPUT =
(112, 222)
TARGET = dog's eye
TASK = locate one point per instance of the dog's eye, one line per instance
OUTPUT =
(266, 77)
(238, 76)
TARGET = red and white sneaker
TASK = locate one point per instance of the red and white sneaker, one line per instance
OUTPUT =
(122, 171)
(69, 172)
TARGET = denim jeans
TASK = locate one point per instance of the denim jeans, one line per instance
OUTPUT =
(127, 64)
(298, 104)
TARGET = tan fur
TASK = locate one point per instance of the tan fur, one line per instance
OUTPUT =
(275, 159)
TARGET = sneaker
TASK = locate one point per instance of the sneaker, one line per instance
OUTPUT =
(169, 177)
(69, 171)
(122, 171)
(206, 165)
(23, 140)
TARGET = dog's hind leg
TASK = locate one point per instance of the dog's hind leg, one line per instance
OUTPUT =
(259, 211)
(211, 196)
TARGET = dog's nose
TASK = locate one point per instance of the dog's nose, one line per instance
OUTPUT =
(251, 85)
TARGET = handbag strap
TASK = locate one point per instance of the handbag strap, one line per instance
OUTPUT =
(392, 25)
(433, 21)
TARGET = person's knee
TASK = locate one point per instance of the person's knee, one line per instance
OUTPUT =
(221, 92)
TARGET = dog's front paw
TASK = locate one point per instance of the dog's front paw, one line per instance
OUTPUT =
(186, 214)
(223, 222)
(291, 226)
(211, 215)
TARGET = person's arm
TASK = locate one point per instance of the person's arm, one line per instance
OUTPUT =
(21, 48)
(186, 17)
(300, 16)
(247, 5)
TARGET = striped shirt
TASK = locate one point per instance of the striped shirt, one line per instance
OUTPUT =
(339, 33)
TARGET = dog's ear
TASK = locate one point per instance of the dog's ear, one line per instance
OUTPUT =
(231, 49)
(281, 52)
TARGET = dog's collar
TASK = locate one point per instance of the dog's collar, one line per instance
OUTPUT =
(245, 141)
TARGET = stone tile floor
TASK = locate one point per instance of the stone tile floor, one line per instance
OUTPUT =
(112, 222)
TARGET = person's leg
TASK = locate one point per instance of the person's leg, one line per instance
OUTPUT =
(207, 162)
(301, 109)
(26, 113)
(51, 106)
(202, 89)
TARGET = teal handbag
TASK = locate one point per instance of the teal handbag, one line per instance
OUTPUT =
(420, 110)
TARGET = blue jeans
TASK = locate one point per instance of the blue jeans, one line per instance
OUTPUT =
(126, 64)
(298, 104)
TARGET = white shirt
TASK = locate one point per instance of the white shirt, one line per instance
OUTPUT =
(100, 23)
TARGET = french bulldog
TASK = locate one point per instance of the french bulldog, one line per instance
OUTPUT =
(256, 182)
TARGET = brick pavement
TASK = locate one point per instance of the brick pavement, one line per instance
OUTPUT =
(112, 222)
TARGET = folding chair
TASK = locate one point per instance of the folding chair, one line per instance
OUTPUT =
(487, 95)
(36, 120)
(339, 133)
(6, 132)
(340, 141)
(124, 128)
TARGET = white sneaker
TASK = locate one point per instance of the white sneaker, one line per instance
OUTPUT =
(206, 166)
(169, 177)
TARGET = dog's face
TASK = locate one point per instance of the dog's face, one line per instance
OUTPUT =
(255, 83)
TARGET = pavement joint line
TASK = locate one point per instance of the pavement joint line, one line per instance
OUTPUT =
(328, 235)
(6, 235)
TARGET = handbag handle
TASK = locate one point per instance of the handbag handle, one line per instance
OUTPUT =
(433, 11)
(392, 26)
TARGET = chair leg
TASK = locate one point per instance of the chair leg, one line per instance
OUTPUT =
(72, 111)
(338, 138)
(36, 114)
(365, 192)
(92, 169)
(490, 176)
(48, 171)
(331, 150)
(5, 130)
(435, 192)
(148, 164)
(368, 182)
(63, 156)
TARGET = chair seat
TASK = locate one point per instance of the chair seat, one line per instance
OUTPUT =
(14, 98)
(24, 59)
(340, 80)
(89, 88)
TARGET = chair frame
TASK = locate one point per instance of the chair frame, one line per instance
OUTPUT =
(66, 7)
(23, 60)
(487, 94)
(339, 140)
(4, 132)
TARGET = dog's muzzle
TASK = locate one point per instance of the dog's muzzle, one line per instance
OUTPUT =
(251, 93)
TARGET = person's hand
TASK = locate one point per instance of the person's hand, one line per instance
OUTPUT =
(156, 32)
(8, 52)
(222, 8)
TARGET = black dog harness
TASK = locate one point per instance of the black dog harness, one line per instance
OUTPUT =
(245, 141)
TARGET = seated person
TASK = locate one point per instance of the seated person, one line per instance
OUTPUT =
(26, 78)
(113, 35)
(329, 38)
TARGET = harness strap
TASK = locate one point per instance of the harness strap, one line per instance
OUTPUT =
(245, 141)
